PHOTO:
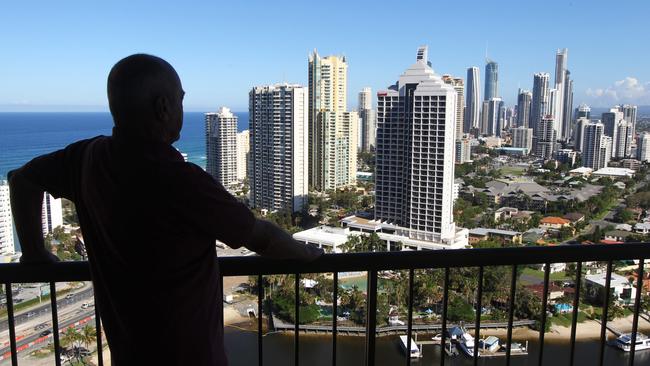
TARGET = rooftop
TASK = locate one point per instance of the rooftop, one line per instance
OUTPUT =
(554, 220)
(615, 280)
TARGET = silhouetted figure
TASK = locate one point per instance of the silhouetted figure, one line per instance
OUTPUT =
(149, 221)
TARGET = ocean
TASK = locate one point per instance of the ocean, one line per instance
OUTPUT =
(24, 136)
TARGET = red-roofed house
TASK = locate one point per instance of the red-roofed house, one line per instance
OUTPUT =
(553, 222)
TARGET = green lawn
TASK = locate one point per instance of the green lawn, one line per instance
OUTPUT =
(512, 170)
(557, 276)
(564, 320)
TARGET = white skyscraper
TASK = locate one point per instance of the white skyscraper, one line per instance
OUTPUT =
(463, 153)
(579, 133)
(595, 152)
(333, 130)
(6, 221)
(622, 139)
(368, 118)
(560, 85)
(51, 214)
(279, 142)
(546, 138)
(524, 102)
(473, 99)
(221, 146)
(416, 119)
(243, 151)
(629, 114)
(522, 137)
(490, 121)
(459, 86)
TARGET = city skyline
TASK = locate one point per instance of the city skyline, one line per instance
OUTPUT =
(73, 75)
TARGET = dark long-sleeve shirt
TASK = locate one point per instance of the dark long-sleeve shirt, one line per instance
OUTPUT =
(149, 221)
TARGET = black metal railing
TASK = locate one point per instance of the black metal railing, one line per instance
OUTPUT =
(372, 263)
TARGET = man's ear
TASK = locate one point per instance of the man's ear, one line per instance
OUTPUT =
(162, 108)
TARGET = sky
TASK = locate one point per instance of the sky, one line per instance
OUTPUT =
(56, 55)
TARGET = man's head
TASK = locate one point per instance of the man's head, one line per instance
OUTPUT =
(146, 98)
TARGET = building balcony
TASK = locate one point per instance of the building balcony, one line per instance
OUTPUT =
(417, 325)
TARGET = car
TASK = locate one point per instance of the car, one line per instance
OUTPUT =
(69, 296)
(31, 314)
(45, 333)
(85, 305)
(40, 326)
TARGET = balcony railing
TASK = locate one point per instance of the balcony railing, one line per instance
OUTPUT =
(372, 263)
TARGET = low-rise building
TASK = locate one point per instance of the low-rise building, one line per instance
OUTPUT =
(582, 171)
(620, 287)
(617, 235)
(642, 228)
(614, 173)
(575, 217)
(631, 164)
(553, 223)
(505, 236)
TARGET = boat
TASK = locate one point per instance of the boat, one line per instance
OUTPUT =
(489, 344)
(466, 344)
(624, 342)
(415, 351)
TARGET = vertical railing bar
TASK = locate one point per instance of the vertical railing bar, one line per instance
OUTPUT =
(574, 320)
(445, 298)
(55, 324)
(296, 327)
(371, 317)
(260, 296)
(511, 311)
(637, 308)
(335, 313)
(603, 320)
(12, 323)
(98, 329)
(477, 326)
(542, 330)
(409, 326)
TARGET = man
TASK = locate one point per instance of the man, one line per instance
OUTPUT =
(149, 220)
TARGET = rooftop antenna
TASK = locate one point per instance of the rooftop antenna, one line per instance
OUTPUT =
(486, 52)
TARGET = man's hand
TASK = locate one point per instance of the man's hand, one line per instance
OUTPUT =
(270, 241)
(43, 257)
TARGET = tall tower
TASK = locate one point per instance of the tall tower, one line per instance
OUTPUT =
(459, 86)
(473, 100)
(546, 137)
(333, 130)
(524, 102)
(368, 116)
(51, 213)
(579, 133)
(643, 147)
(522, 137)
(491, 80)
(279, 138)
(560, 84)
(221, 146)
(567, 118)
(416, 119)
(629, 114)
(243, 152)
(593, 149)
(540, 102)
(6, 221)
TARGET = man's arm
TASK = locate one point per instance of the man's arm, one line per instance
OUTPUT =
(26, 206)
(269, 240)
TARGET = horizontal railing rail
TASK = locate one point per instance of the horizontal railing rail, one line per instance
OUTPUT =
(372, 263)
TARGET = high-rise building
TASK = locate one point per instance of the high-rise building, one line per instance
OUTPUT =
(51, 213)
(278, 173)
(522, 137)
(606, 144)
(332, 130)
(490, 121)
(579, 133)
(594, 148)
(629, 114)
(6, 221)
(415, 167)
(583, 110)
(243, 152)
(463, 153)
(473, 100)
(546, 138)
(541, 97)
(643, 147)
(610, 119)
(567, 118)
(221, 146)
(524, 102)
(622, 140)
(491, 80)
(459, 86)
(368, 118)
(557, 104)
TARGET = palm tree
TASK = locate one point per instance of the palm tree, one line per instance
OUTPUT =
(88, 335)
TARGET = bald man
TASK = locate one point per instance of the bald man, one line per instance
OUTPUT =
(149, 220)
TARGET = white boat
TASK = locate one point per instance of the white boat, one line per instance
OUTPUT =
(466, 344)
(415, 351)
(624, 342)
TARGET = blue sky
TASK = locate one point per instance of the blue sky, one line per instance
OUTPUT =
(55, 55)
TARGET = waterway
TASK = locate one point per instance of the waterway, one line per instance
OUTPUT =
(316, 350)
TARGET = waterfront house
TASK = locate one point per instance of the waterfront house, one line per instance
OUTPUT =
(620, 287)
